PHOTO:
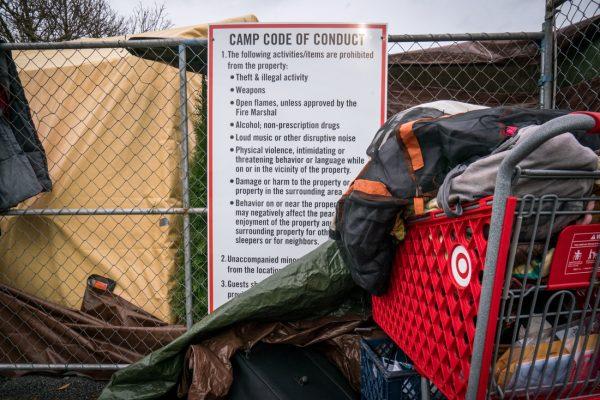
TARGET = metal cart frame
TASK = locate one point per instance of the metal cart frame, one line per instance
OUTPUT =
(507, 174)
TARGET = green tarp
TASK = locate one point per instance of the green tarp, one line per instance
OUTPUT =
(316, 285)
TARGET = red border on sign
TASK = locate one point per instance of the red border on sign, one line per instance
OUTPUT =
(211, 28)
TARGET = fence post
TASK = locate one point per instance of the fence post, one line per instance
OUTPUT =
(547, 51)
(185, 187)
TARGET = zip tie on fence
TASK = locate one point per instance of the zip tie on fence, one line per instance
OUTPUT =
(544, 78)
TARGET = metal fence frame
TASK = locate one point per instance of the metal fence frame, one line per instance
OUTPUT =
(184, 211)
(545, 39)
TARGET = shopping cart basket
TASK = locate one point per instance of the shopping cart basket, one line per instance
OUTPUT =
(471, 300)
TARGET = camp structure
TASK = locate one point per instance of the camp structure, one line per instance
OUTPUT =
(109, 123)
(496, 72)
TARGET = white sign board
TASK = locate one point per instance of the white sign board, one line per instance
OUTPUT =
(292, 109)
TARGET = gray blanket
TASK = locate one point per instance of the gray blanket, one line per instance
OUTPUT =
(564, 152)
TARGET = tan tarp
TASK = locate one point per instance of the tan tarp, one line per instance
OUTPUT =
(109, 124)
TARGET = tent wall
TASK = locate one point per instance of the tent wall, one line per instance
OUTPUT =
(109, 122)
(110, 125)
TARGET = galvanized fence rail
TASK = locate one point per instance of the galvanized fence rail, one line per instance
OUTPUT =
(123, 124)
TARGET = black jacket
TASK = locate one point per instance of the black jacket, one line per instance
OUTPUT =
(23, 165)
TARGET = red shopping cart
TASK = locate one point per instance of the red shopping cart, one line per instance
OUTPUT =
(494, 304)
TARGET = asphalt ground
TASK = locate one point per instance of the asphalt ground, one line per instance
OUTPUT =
(48, 387)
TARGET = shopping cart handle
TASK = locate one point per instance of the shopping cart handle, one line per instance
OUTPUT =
(595, 115)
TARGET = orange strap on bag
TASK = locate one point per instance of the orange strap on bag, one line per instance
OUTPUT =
(371, 187)
(419, 205)
(412, 145)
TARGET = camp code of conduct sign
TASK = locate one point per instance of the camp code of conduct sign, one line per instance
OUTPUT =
(292, 109)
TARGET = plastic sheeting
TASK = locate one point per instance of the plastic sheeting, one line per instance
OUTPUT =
(107, 329)
(208, 371)
(315, 286)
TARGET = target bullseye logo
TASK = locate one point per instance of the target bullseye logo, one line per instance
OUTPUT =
(460, 265)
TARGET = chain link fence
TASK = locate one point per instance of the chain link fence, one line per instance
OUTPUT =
(576, 44)
(124, 129)
(487, 69)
